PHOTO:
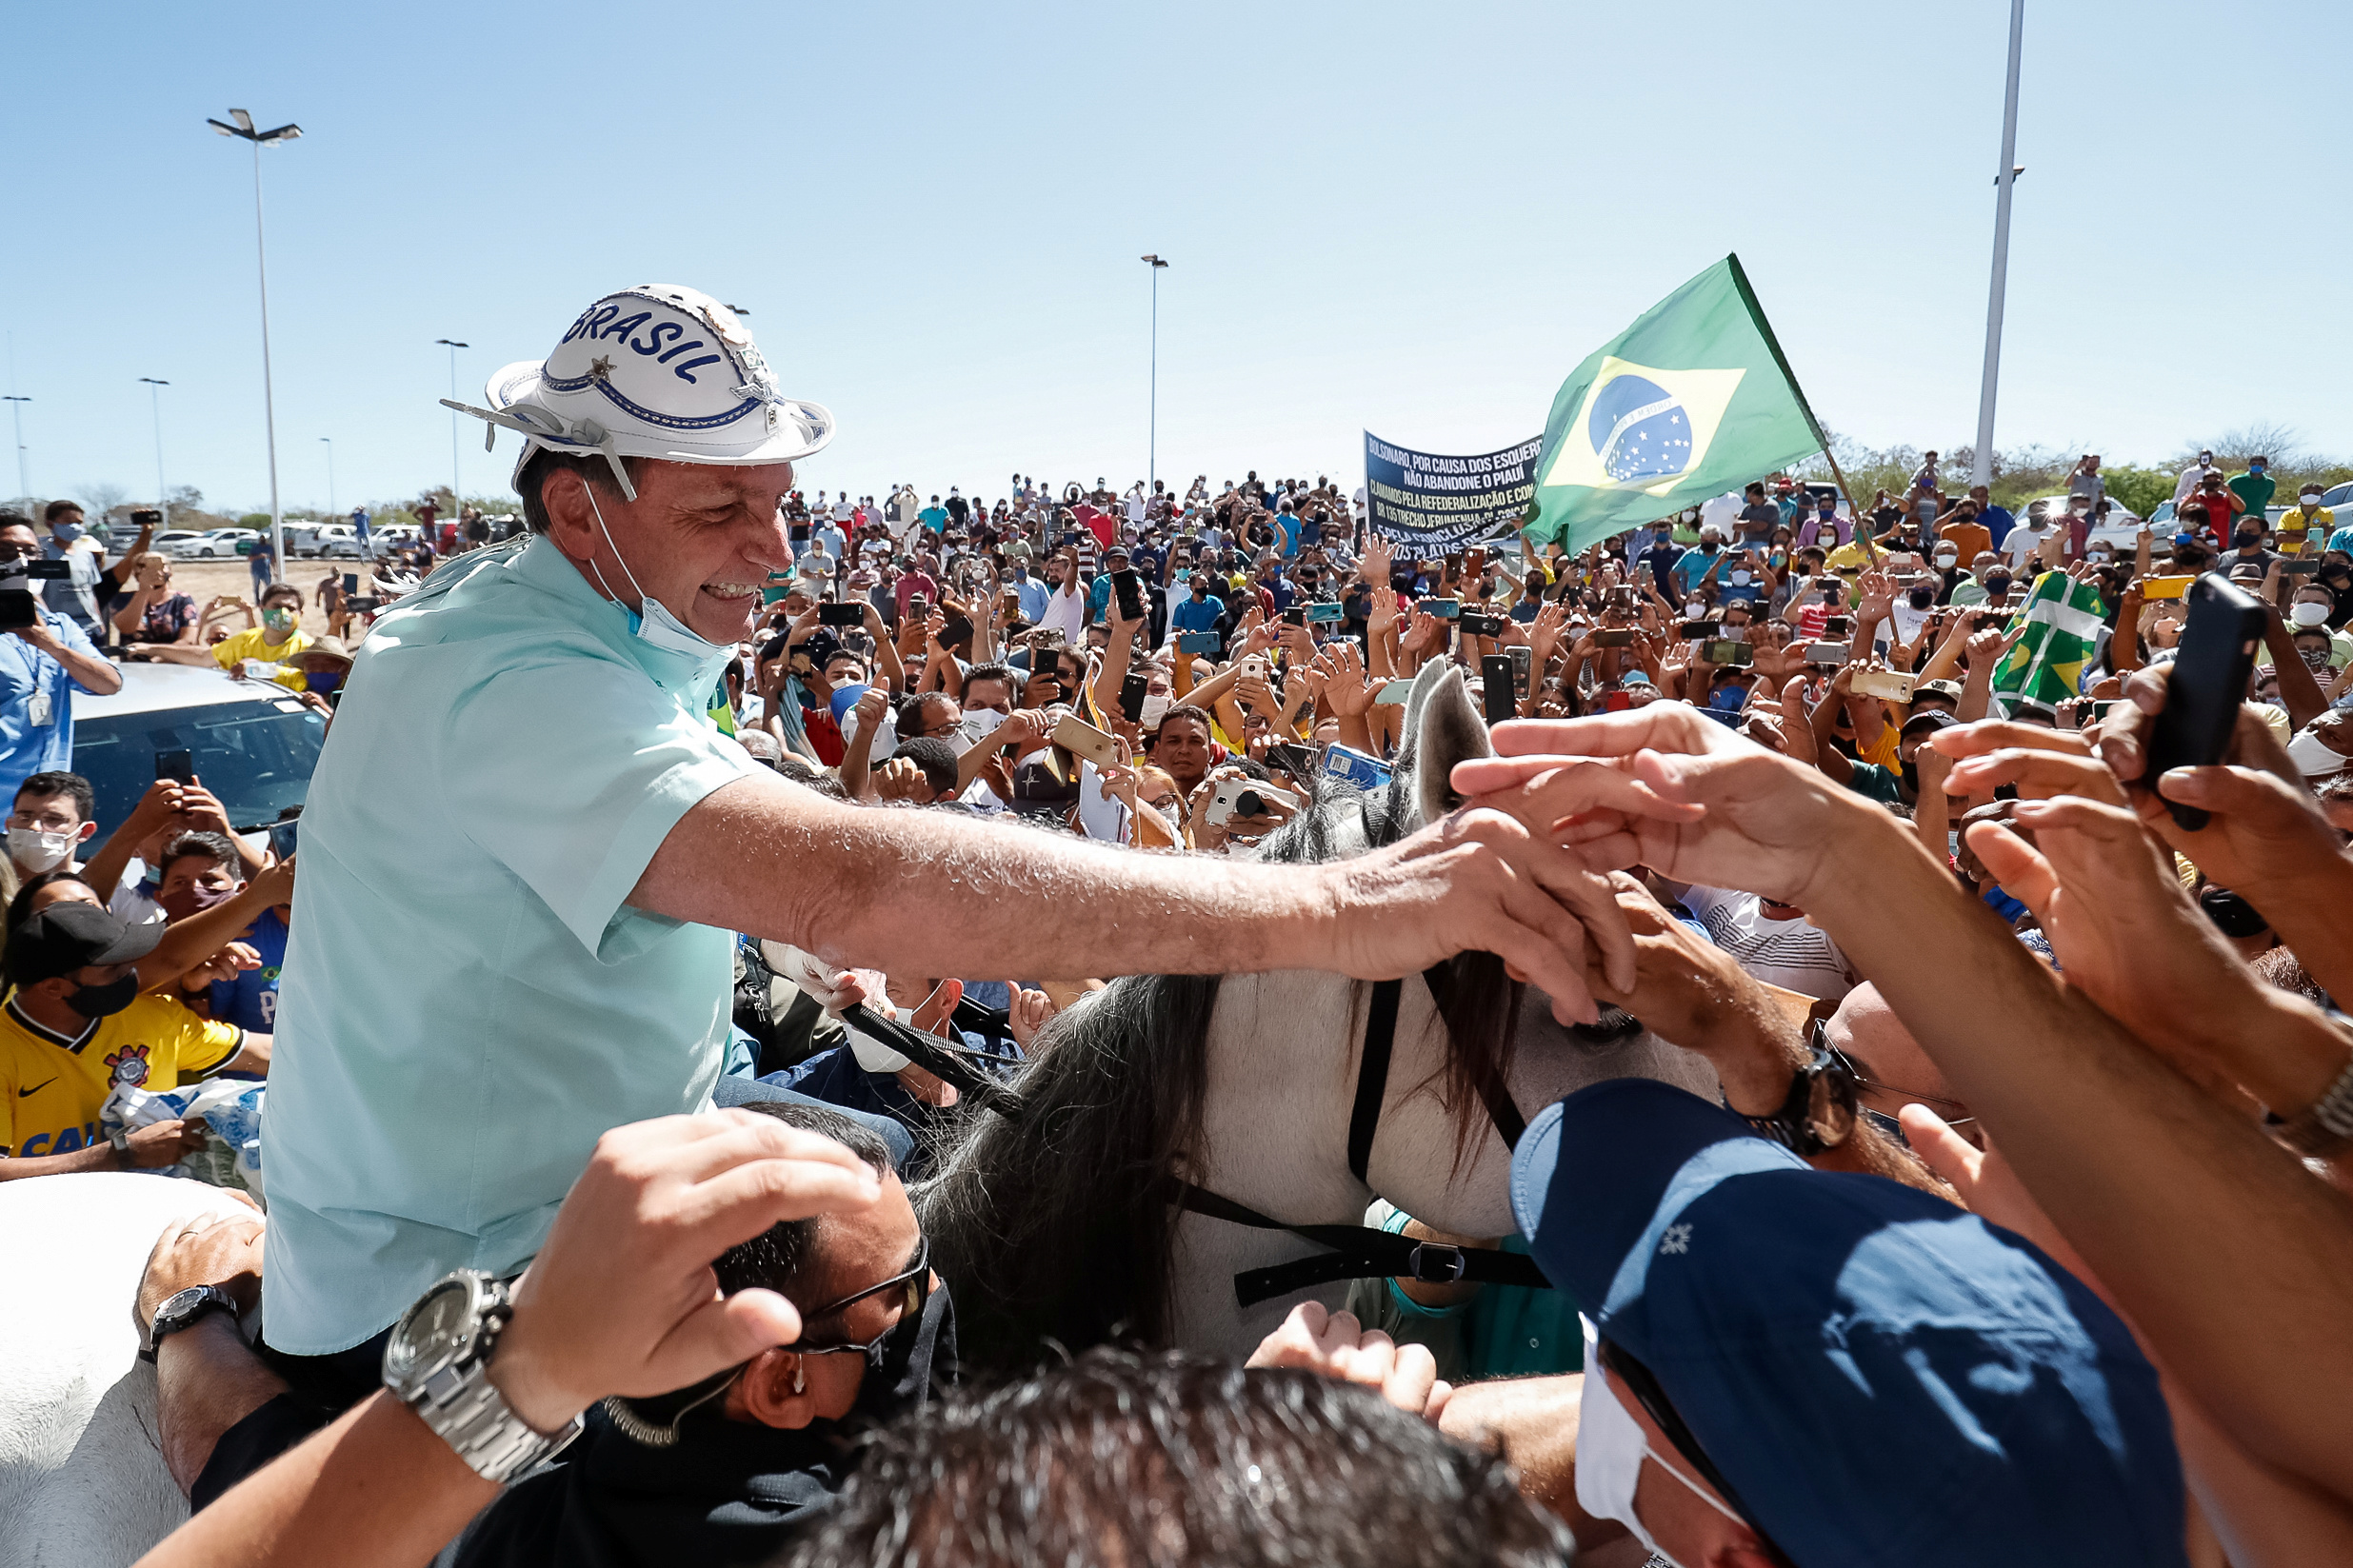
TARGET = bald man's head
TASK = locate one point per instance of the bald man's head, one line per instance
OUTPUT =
(1885, 1052)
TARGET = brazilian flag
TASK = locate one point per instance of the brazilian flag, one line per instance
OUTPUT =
(1692, 400)
(2060, 622)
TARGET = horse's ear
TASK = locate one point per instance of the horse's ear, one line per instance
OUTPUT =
(1446, 729)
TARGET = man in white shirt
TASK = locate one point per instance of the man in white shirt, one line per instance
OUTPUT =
(2024, 539)
(1773, 943)
(1065, 607)
(2192, 476)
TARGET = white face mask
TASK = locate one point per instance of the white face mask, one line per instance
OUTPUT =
(652, 621)
(2314, 756)
(2307, 614)
(1947, 562)
(1610, 1450)
(1155, 708)
(1694, 609)
(1739, 577)
(38, 851)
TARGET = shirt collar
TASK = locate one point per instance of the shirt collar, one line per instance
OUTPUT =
(42, 1031)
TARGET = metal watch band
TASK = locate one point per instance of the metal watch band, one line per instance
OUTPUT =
(470, 1414)
(2322, 1128)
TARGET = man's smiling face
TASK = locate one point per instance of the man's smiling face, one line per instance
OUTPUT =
(701, 537)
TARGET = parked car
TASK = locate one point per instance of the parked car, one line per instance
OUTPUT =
(254, 744)
(177, 542)
(230, 543)
(332, 541)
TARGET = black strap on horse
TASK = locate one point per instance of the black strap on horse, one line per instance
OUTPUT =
(1360, 1252)
(1356, 1252)
(945, 1060)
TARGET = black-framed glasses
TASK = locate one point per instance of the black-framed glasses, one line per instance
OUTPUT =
(915, 1288)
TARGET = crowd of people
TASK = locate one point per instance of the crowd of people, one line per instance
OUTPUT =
(2018, 1230)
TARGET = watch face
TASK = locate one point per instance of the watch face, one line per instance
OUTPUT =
(436, 1331)
(178, 1305)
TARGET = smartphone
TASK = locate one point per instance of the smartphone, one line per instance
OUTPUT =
(282, 835)
(1199, 641)
(1127, 588)
(178, 764)
(1523, 659)
(362, 604)
(1327, 612)
(956, 633)
(1243, 798)
(1081, 738)
(146, 517)
(1725, 651)
(1496, 683)
(2100, 708)
(1445, 609)
(1393, 693)
(1617, 702)
(1698, 631)
(1482, 624)
(1295, 616)
(350, 582)
(2299, 566)
(2164, 588)
(1839, 626)
(1896, 686)
(18, 608)
(1131, 694)
(335, 700)
(1349, 766)
(832, 613)
(1622, 638)
(2208, 682)
(1825, 653)
(1454, 563)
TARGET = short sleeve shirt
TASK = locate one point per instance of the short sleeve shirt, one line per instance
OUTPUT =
(464, 1011)
(52, 1086)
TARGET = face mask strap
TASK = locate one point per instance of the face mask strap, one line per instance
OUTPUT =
(590, 490)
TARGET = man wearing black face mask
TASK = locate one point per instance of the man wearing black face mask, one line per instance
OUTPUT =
(2247, 540)
(75, 1026)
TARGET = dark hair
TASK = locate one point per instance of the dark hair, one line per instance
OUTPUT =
(212, 846)
(590, 468)
(14, 520)
(1174, 1459)
(993, 670)
(281, 590)
(84, 799)
(810, 776)
(56, 509)
(778, 1258)
(912, 714)
(20, 907)
(936, 758)
(1188, 710)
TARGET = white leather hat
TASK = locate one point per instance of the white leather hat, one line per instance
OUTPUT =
(660, 372)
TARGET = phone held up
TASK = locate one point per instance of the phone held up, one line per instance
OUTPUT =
(2208, 682)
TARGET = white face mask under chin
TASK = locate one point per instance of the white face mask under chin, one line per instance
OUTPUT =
(1610, 1450)
(652, 621)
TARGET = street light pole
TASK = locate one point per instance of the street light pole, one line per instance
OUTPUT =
(156, 396)
(243, 128)
(1151, 463)
(16, 415)
(457, 503)
(331, 475)
(1980, 469)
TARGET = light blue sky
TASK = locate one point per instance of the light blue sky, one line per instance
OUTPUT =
(1412, 219)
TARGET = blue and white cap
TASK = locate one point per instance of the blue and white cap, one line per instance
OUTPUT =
(660, 372)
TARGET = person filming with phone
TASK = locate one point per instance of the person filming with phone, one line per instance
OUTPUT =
(43, 661)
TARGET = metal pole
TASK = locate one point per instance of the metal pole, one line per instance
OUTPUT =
(330, 475)
(1981, 470)
(457, 503)
(1152, 461)
(16, 415)
(269, 410)
(156, 400)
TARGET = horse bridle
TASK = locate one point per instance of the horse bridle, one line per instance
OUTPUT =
(1361, 1252)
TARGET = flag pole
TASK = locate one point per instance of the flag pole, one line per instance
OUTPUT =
(1765, 330)
(1870, 547)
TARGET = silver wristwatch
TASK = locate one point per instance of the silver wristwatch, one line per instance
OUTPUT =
(437, 1363)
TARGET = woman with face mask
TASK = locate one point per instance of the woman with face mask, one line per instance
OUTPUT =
(266, 652)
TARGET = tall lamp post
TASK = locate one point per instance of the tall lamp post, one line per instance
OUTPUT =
(457, 503)
(243, 128)
(1980, 469)
(1152, 462)
(16, 414)
(154, 397)
(331, 475)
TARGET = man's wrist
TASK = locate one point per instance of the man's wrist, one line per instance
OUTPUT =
(527, 1385)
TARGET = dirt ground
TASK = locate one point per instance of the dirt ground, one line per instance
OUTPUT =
(202, 580)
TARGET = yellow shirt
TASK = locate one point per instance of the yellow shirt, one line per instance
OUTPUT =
(1849, 554)
(51, 1087)
(2294, 524)
(235, 650)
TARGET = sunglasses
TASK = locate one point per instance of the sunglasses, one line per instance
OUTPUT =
(915, 1288)
(1940, 1101)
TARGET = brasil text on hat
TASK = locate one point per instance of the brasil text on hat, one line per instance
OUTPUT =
(1876, 1375)
(660, 372)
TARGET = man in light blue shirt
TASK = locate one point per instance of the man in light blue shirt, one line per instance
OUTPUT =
(42, 665)
(463, 1013)
(1035, 595)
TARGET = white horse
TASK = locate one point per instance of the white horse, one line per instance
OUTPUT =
(1057, 1227)
(82, 1478)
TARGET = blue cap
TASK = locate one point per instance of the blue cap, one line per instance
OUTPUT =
(844, 698)
(1879, 1376)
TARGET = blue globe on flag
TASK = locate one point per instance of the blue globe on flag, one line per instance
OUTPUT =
(1639, 430)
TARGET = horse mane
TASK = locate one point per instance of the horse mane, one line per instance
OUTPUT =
(1055, 1230)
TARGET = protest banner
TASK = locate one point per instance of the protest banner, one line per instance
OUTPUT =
(1433, 503)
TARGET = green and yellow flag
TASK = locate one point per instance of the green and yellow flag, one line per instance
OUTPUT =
(2058, 631)
(1692, 400)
